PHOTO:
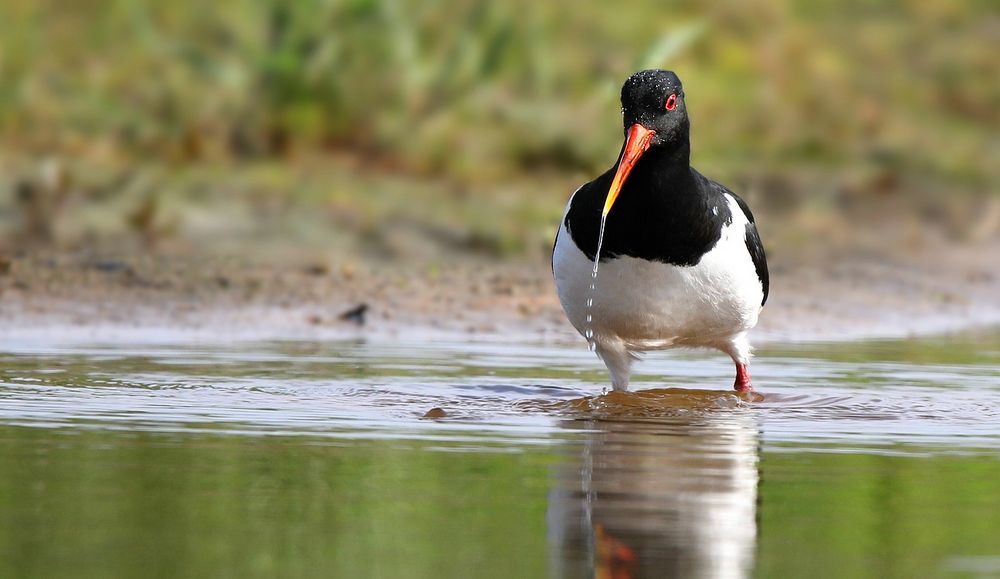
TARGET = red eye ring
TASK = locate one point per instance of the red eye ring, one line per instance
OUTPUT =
(671, 102)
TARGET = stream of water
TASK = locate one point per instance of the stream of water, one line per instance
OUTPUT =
(589, 332)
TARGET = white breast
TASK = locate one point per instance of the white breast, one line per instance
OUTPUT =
(649, 305)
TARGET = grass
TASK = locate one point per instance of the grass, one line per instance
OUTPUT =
(793, 103)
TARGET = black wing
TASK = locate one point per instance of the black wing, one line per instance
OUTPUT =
(552, 257)
(754, 246)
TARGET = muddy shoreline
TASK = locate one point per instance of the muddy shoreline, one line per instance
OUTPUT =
(818, 295)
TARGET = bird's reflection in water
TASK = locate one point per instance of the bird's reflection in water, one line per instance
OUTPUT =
(664, 486)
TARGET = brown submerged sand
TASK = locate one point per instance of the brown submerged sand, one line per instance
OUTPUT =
(832, 295)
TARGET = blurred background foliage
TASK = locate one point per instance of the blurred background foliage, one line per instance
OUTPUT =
(404, 128)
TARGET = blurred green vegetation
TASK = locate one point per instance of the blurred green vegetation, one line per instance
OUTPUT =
(832, 105)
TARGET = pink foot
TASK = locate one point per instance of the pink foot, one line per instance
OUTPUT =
(742, 379)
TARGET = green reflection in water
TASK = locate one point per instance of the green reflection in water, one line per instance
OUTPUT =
(861, 515)
(974, 347)
(125, 504)
(117, 504)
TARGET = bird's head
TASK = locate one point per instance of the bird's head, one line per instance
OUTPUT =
(654, 115)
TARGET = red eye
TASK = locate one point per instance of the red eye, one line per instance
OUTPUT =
(671, 102)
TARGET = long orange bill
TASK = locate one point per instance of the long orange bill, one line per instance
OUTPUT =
(637, 143)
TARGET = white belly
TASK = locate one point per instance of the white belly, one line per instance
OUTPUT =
(646, 305)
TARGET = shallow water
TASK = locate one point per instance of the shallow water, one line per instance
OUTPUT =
(298, 459)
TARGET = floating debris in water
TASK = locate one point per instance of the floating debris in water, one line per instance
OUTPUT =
(435, 413)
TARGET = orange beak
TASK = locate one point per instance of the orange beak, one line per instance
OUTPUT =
(637, 143)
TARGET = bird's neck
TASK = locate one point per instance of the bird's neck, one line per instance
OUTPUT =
(666, 165)
(673, 157)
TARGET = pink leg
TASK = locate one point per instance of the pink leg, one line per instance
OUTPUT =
(742, 379)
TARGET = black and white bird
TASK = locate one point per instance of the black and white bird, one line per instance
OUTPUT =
(681, 262)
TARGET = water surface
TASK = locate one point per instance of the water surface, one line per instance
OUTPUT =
(301, 459)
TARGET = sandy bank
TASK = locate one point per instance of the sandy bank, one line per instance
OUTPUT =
(833, 295)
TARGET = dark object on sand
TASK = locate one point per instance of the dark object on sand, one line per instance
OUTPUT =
(110, 266)
(355, 314)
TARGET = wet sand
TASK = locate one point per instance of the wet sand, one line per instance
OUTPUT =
(817, 295)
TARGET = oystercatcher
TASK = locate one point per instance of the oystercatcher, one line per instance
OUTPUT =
(681, 262)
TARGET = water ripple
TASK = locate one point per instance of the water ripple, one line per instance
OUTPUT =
(497, 392)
